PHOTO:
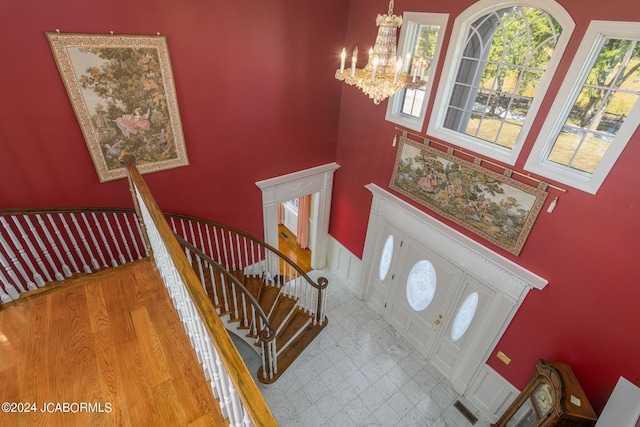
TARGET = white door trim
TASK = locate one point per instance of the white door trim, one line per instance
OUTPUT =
(510, 282)
(293, 185)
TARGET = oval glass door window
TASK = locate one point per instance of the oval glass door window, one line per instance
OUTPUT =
(464, 317)
(421, 285)
(385, 258)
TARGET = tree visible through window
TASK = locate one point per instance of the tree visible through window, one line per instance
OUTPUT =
(596, 110)
(504, 58)
(609, 93)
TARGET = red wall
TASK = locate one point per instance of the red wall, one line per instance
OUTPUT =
(587, 249)
(258, 99)
(255, 89)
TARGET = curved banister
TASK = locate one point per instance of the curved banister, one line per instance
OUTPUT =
(323, 280)
(247, 390)
(235, 281)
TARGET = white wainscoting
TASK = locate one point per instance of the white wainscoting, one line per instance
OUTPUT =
(491, 393)
(345, 265)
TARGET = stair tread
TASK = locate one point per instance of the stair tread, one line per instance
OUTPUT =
(293, 351)
(284, 306)
(297, 320)
(253, 285)
(267, 297)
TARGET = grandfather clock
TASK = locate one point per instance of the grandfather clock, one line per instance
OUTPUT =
(553, 397)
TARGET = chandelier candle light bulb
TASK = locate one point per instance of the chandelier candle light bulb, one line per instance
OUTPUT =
(398, 68)
(354, 60)
(343, 56)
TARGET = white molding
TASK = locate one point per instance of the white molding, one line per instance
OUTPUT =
(507, 283)
(411, 20)
(279, 189)
(491, 393)
(345, 265)
(457, 41)
(491, 267)
(569, 91)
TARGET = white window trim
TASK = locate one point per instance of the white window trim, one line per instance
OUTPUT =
(580, 67)
(411, 21)
(456, 45)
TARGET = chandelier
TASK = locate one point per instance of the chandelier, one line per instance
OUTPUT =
(384, 73)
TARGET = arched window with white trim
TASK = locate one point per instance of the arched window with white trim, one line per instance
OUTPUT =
(500, 60)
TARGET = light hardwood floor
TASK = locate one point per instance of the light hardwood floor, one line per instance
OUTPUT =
(113, 341)
(288, 246)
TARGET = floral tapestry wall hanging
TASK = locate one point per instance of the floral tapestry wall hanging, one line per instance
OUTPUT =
(123, 94)
(496, 207)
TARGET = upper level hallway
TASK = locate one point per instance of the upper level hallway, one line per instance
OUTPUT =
(113, 341)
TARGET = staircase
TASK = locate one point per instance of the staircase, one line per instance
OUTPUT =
(263, 309)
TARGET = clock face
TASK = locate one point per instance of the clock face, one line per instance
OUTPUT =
(543, 396)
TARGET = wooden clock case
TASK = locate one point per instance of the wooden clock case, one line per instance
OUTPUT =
(567, 407)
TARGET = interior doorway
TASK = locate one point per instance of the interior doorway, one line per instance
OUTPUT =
(275, 191)
(296, 219)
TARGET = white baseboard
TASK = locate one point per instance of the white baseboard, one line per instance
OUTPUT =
(345, 265)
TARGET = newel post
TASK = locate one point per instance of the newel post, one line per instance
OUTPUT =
(128, 160)
(322, 289)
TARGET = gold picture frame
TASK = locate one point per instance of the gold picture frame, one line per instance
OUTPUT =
(496, 207)
(122, 91)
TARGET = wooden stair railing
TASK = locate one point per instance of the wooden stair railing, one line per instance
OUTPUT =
(231, 298)
(239, 251)
(231, 383)
(239, 297)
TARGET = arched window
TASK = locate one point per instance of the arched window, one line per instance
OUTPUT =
(500, 60)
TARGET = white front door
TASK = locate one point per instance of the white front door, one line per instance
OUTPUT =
(417, 291)
(462, 327)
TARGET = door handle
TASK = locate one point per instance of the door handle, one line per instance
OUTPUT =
(439, 319)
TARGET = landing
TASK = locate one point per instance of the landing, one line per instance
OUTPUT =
(109, 350)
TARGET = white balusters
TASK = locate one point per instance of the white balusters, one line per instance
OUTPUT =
(65, 268)
(124, 240)
(10, 290)
(140, 235)
(224, 248)
(23, 254)
(4, 297)
(45, 252)
(74, 243)
(14, 259)
(113, 238)
(36, 256)
(215, 236)
(64, 245)
(213, 367)
(114, 263)
(36, 248)
(83, 238)
(94, 241)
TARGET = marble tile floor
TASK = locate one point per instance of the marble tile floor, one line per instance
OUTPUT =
(360, 372)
